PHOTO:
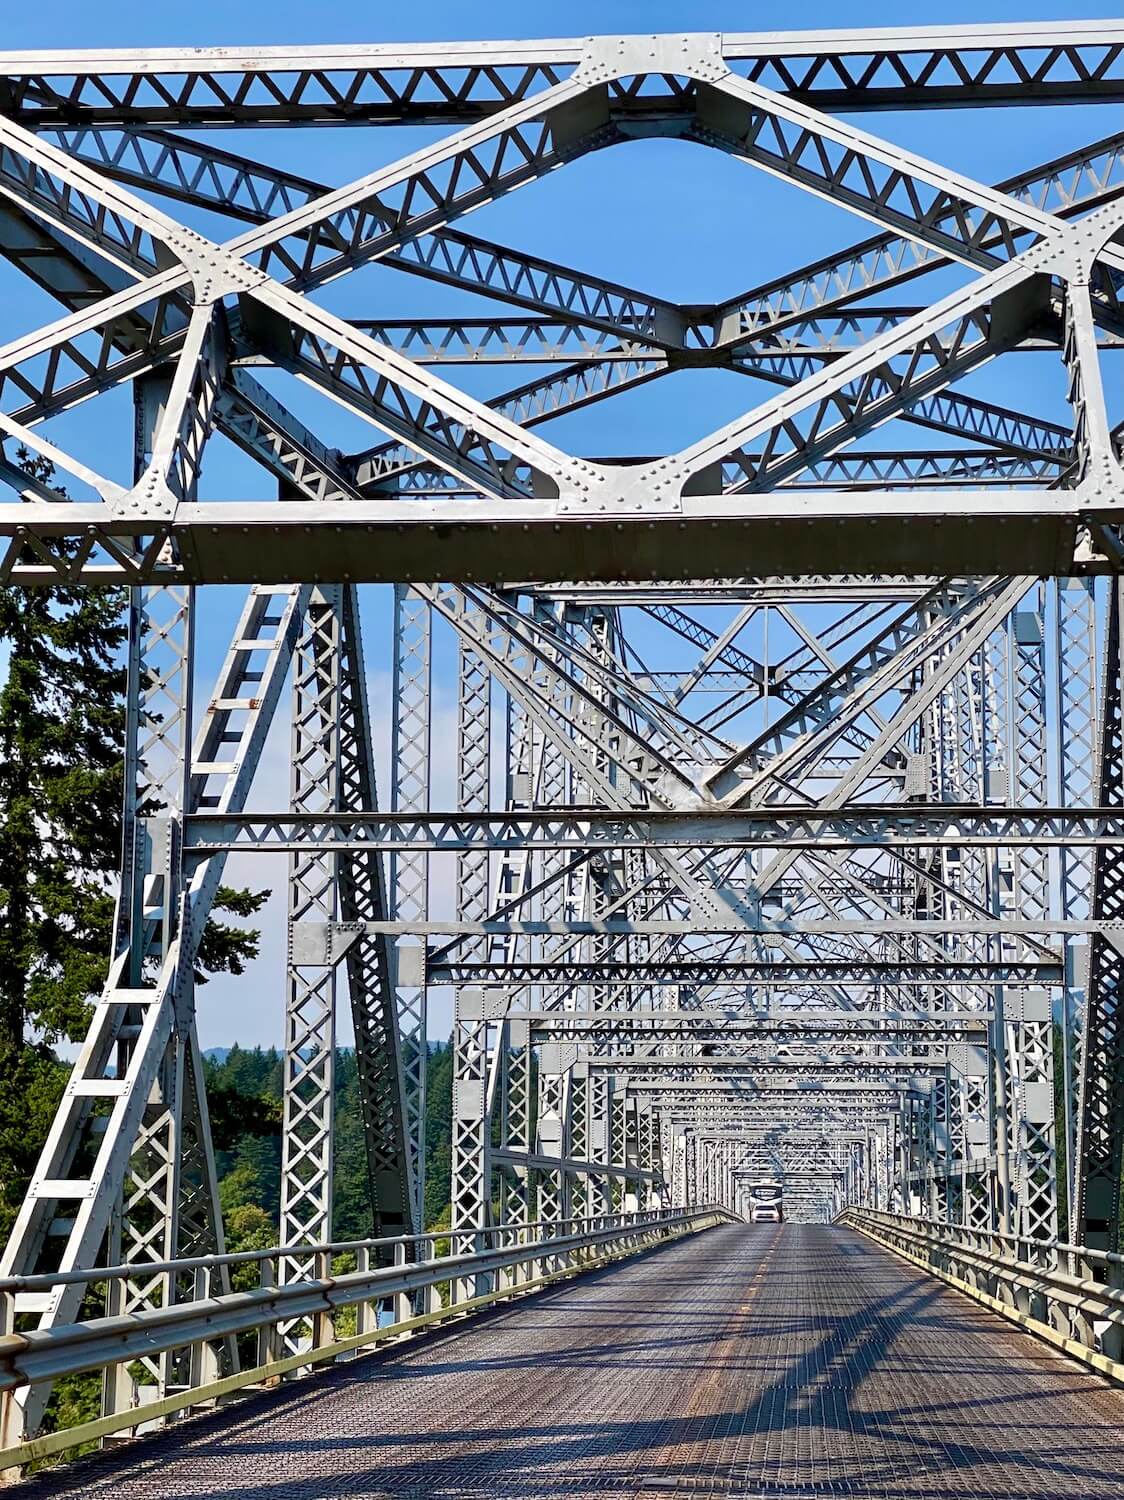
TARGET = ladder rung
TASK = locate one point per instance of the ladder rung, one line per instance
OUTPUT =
(33, 1302)
(129, 997)
(61, 1187)
(97, 1088)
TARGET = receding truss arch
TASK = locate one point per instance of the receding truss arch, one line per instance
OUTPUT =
(754, 809)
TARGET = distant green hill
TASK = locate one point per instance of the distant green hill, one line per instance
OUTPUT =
(244, 1087)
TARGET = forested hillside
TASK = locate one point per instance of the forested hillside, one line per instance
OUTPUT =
(244, 1090)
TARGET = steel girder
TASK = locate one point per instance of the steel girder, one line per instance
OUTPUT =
(449, 83)
(855, 825)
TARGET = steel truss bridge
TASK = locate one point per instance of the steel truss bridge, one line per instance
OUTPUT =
(759, 805)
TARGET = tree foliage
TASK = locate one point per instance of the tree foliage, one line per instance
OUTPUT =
(223, 948)
(244, 1090)
(438, 1134)
(62, 732)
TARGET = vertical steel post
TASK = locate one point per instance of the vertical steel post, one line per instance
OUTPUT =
(310, 1010)
(409, 872)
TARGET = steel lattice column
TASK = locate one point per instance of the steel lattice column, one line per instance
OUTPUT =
(471, 1187)
(409, 873)
(1100, 1137)
(471, 1144)
(310, 1011)
(363, 897)
(1075, 756)
(1032, 1050)
(515, 1128)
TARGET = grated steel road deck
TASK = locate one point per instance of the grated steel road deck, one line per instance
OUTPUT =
(780, 1362)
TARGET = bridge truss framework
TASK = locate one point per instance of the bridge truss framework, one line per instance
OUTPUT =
(791, 874)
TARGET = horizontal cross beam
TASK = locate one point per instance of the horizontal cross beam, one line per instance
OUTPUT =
(742, 972)
(907, 825)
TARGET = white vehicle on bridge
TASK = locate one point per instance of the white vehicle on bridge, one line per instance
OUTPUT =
(766, 1203)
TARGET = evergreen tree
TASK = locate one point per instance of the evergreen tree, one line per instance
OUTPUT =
(61, 744)
(61, 741)
(438, 1135)
(351, 1199)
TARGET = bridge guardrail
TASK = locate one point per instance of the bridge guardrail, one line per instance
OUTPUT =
(508, 1264)
(1069, 1295)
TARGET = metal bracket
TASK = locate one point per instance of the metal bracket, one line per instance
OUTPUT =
(322, 944)
(688, 54)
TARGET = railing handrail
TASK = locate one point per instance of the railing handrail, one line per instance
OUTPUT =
(45, 1280)
(1071, 1296)
(939, 1226)
(1030, 1273)
(45, 1354)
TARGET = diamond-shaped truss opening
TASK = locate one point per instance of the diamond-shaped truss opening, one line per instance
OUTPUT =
(717, 235)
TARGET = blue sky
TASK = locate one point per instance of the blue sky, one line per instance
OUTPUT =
(128, 23)
(663, 216)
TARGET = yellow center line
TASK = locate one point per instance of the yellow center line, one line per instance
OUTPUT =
(706, 1383)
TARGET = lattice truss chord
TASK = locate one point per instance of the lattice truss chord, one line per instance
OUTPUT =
(782, 875)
